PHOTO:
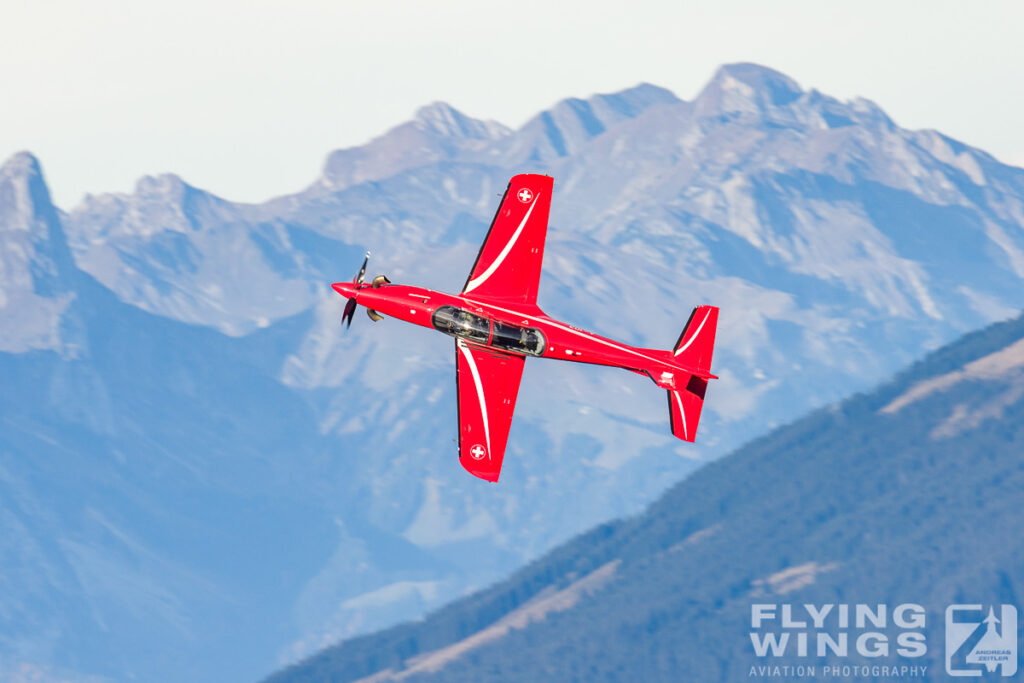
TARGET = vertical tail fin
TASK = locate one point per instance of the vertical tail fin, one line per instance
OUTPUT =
(697, 342)
(693, 351)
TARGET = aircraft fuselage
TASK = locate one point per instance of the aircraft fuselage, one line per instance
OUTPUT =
(560, 341)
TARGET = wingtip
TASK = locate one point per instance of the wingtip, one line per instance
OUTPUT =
(486, 475)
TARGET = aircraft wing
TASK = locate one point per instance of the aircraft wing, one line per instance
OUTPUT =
(487, 382)
(507, 269)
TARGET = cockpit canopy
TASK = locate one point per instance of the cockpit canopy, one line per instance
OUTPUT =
(459, 322)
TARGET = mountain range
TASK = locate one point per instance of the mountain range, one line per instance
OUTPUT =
(907, 495)
(198, 464)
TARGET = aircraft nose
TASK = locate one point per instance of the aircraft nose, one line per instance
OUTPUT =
(346, 289)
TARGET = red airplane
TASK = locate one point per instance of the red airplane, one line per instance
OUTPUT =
(497, 325)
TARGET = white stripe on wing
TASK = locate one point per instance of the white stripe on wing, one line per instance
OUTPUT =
(482, 277)
(479, 392)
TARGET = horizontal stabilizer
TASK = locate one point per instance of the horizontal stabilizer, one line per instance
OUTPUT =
(684, 408)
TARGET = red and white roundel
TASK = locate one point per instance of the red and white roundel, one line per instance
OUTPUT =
(477, 452)
(525, 196)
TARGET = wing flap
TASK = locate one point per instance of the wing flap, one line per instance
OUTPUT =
(507, 268)
(488, 383)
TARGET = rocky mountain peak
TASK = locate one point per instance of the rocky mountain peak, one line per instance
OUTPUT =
(36, 268)
(632, 101)
(25, 202)
(446, 120)
(26, 207)
(564, 128)
(165, 185)
(159, 204)
(21, 163)
(746, 88)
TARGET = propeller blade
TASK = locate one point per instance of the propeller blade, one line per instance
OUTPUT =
(350, 310)
(362, 271)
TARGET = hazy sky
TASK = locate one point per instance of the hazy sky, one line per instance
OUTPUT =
(246, 98)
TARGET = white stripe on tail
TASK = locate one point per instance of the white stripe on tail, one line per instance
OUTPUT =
(693, 352)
